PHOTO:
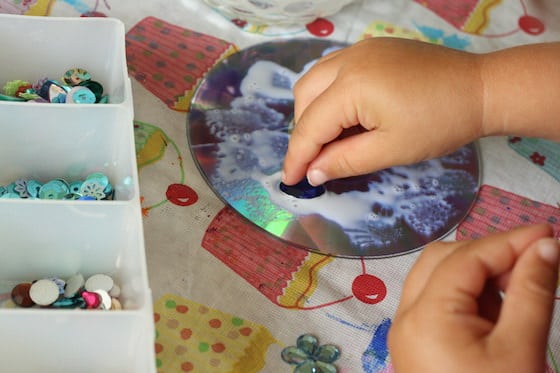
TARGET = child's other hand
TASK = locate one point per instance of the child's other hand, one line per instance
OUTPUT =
(414, 100)
(451, 317)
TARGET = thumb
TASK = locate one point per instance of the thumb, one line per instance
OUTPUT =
(529, 298)
(358, 154)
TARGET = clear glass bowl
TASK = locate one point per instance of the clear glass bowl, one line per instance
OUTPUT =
(274, 12)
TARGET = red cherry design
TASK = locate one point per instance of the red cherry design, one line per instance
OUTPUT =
(531, 25)
(369, 289)
(181, 195)
(320, 27)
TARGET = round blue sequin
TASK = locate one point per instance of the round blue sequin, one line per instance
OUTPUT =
(33, 188)
(96, 186)
(54, 189)
(80, 95)
(10, 196)
(75, 187)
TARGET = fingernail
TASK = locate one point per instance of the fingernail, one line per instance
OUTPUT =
(548, 250)
(316, 177)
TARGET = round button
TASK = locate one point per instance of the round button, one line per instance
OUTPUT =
(20, 295)
(73, 285)
(44, 292)
(99, 282)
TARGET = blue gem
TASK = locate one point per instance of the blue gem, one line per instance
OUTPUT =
(303, 190)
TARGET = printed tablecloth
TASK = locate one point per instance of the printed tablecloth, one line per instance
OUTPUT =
(230, 298)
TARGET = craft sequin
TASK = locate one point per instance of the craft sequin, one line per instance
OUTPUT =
(75, 87)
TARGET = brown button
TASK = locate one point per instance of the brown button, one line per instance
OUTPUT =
(20, 295)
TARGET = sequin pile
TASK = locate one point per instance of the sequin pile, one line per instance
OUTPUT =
(96, 186)
(74, 87)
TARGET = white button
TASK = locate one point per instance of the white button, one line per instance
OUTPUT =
(44, 292)
(99, 282)
(73, 285)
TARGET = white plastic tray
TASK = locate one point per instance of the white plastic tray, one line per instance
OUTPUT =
(44, 238)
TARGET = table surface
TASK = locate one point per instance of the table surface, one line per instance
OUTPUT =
(229, 298)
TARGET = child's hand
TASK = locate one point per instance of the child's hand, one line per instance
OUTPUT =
(414, 100)
(452, 319)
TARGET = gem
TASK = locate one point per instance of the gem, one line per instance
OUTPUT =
(73, 302)
(20, 295)
(302, 190)
(99, 282)
(85, 198)
(91, 299)
(44, 292)
(105, 299)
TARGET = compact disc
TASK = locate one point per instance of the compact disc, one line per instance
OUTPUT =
(238, 129)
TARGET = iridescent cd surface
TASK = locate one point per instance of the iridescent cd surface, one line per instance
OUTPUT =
(238, 129)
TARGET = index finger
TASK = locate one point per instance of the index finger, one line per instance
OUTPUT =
(460, 278)
(322, 121)
(317, 79)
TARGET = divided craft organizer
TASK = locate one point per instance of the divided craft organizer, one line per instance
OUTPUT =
(46, 238)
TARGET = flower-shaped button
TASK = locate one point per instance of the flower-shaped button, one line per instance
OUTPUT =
(309, 357)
